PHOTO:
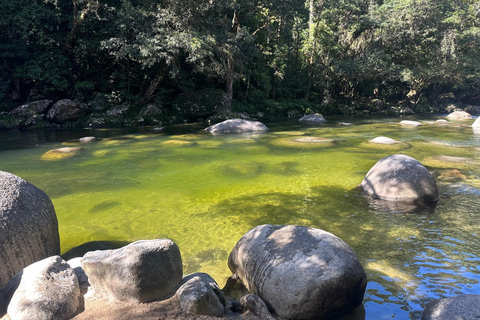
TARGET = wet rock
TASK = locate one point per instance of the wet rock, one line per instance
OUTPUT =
(198, 296)
(86, 139)
(410, 123)
(28, 226)
(441, 121)
(66, 110)
(118, 111)
(60, 153)
(253, 306)
(400, 178)
(47, 289)
(383, 140)
(236, 126)
(313, 118)
(459, 115)
(82, 277)
(300, 272)
(139, 272)
(462, 307)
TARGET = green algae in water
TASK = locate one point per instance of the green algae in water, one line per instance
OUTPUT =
(205, 191)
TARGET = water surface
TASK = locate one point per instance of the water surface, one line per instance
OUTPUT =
(205, 191)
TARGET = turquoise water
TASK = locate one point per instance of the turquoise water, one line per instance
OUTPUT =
(205, 191)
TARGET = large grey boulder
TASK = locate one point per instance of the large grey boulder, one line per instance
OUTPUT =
(142, 271)
(66, 110)
(47, 289)
(198, 295)
(462, 307)
(236, 126)
(76, 265)
(300, 272)
(28, 226)
(316, 118)
(400, 178)
(31, 109)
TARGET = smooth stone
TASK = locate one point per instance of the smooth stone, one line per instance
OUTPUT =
(313, 118)
(300, 272)
(253, 306)
(462, 307)
(476, 124)
(442, 121)
(459, 115)
(86, 139)
(237, 126)
(197, 297)
(142, 271)
(383, 140)
(400, 178)
(410, 123)
(47, 289)
(28, 226)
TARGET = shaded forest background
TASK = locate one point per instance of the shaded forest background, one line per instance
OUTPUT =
(272, 57)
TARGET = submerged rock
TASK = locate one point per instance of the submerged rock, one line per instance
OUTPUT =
(300, 272)
(86, 139)
(400, 178)
(236, 126)
(139, 272)
(462, 307)
(313, 118)
(28, 226)
(60, 153)
(47, 289)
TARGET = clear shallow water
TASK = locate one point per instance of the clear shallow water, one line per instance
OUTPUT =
(205, 191)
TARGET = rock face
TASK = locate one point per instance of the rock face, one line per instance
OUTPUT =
(459, 115)
(300, 272)
(313, 118)
(463, 307)
(197, 296)
(400, 178)
(201, 104)
(237, 126)
(47, 289)
(66, 110)
(139, 272)
(28, 226)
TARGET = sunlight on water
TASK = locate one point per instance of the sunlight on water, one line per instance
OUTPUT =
(205, 191)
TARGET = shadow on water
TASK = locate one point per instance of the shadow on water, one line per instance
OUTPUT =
(80, 250)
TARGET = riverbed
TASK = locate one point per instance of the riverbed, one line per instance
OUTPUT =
(205, 191)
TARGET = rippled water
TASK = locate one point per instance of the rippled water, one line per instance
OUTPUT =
(205, 191)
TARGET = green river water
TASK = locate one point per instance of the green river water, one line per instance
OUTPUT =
(205, 191)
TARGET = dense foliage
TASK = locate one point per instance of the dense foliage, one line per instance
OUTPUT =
(268, 56)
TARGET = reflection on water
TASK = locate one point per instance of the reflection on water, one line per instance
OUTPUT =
(205, 191)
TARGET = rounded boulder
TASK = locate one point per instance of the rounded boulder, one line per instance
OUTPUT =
(300, 272)
(400, 178)
(28, 226)
(237, 126)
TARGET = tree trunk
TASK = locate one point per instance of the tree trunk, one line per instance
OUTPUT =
(147, 97)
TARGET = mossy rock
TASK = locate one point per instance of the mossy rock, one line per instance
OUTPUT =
(210, 144)
(177, 143)
(60, 153)
(244, 169)
(304, 142)
(450, 162)
(289, 133)
(397, 146)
